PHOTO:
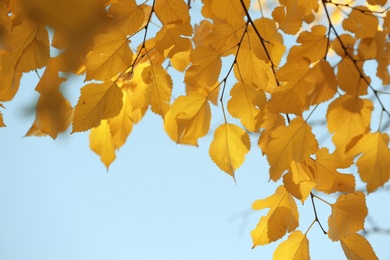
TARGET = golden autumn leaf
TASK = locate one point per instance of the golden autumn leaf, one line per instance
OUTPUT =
(110, 56)
(382, 56)
(281, 218)
(121, 125)
(169, 11)
(300, 179)
(313, 45)
(357, 247)
(348, 215)
(242, 104)
(100, 142)
(170, 39)
(159, 88)
(188, 119)
(348, 117)
(97, 102)
(205, 68)
(223, 38)
(270, 123)
(229, 147)
(360, 23)
(349, 78)
(296, 247)
(251, 69)
(290, 143)
(127, 16)
(29, 51)
(230, 11)
(374, 164)
(1, 118)
(328, 179)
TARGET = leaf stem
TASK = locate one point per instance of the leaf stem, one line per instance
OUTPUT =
(315, 212)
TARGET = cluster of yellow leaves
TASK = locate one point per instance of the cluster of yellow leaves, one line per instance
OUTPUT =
(269, 86)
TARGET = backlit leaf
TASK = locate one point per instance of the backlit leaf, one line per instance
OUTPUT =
(348, 215)
(296, 247)
(361, 23)
(159, 88)
(290, 143)
(281, 218)
(188, 119)
(97, 102)
(229, 147)
(357, 247)
(127, 15)
(110, 56)
(100, 142)
(374, 164)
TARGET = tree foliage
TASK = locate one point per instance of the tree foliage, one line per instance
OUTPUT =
(269, 88)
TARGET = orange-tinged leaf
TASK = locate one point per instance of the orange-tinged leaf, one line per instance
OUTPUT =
(290, 143)
(188, 119)
(100, 142)
(205, 68)
(230, 11)
(251, 69)
(170, 40)
(29, 50)
(328, 179)
(127, 16)
(349, 78)
(291, 97)
(270, 123)
(169, 11)
(348, 215)
(313, 45)
(344, 43)
(300, 179)
(2, 121)
(348, 117)
(322, 77)
(361, 23)
(159, 88)
(377, 2)
(96, 102)
(281, 218)
(374, 164)
(242, 106)
(357, 247)
(121, 125)
(201, 31)
(383, 56)
(110, 56)
(223, 38)
(296, 247)
(229, 147)
(181, 60)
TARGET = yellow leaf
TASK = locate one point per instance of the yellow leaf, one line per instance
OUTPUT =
(188, 119)
(357, 247)
(324, 83)
(170, 39)
(291, 97)
(344, 43)
(29, 50)
(313, 46)
(348, 117)
(230, 11)
(242, 106)
(349, 77)
(127, 16)
(121, 125)
(201, 31)
(296, 247)
(251, 69)
(229, 147)
(281, 218)
(223, 38)
(159, 88)
(270, 123)
(361, 23)
(328, 179)
(181, 60)
(274, 40)
(290, 143)
(100, 142)
(374, 164)
(2, 121)
(96, 102)
(205, 68)
(383, 56)
(348, 215)
(169, 11)
(110, 56)
(300, 180)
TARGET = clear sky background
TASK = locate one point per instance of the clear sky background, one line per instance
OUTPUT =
(158, 200)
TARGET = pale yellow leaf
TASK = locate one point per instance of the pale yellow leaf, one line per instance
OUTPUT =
(100, 142)
(296, 247)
